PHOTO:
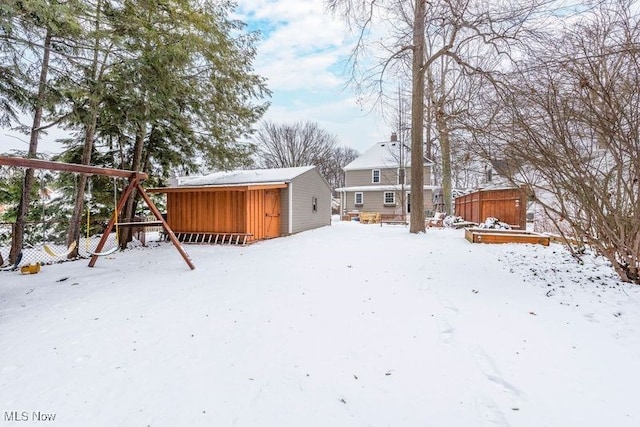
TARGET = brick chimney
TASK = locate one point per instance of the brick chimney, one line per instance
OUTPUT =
(394, 137)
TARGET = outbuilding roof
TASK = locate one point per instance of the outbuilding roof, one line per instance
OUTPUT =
(381, 155)
(253, 176)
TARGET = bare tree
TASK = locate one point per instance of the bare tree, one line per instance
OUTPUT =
(302, 144)
(299, 144)
(469, 44)
(331, 168)
(451, 28)
(570, 130)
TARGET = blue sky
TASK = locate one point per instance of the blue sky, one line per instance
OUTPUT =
(302, 53)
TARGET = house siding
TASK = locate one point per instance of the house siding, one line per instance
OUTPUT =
(359, 178)
(427, 175)
(304, 188)
(374, 202)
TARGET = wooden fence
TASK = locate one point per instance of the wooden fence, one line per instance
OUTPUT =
(508, 205)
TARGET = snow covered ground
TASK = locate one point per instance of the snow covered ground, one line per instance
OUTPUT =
(348, 325)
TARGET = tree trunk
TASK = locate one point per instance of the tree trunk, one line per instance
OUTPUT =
(18, 234)
(445, 147)
(417, 119)
(78, 209)
(136, 162)
(73, 234)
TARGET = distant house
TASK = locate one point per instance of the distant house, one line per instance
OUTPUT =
(380, 181)
(498, 173)
(259, 204)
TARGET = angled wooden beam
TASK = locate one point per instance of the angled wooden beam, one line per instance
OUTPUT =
(69, 167)
(165, 225)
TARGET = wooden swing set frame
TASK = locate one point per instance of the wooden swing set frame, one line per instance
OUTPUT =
(135, 180)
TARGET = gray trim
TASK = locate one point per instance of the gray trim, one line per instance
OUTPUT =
(290, 225)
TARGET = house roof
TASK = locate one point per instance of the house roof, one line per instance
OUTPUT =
(254, 176)
(384, 155)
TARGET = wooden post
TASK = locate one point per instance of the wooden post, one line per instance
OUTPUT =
(480, 209)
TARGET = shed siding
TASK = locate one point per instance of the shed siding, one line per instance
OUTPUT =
(255, 214)
(243, 210)
(222, 211)
(305, 187)
(284, 210)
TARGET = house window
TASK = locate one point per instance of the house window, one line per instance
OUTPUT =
(389, 198)
(359, 199)
(401, 175)
(375, 176)
(314, 204)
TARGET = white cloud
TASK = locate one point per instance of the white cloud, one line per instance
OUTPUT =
(282, 10)
(301, 73)
(302, 54)
(302, 45)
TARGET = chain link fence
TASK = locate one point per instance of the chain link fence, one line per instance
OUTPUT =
(45, 242)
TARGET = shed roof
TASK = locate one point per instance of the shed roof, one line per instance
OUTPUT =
(254, 176)
(238, 180)
(389, 154)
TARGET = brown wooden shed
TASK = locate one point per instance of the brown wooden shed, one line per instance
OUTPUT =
(247, 205)
(509, 205)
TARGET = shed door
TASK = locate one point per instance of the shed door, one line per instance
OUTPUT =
(272, 213)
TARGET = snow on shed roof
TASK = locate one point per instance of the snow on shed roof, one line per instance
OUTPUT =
(383, 155)
(254, 176)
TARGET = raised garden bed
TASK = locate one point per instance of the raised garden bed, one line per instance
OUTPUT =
(488, 235)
